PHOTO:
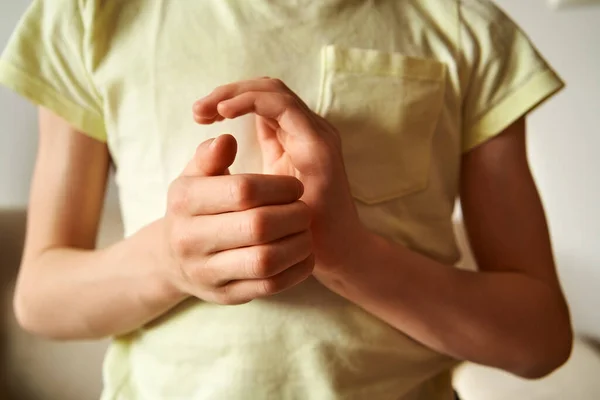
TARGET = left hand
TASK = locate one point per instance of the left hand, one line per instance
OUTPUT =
(296, 141)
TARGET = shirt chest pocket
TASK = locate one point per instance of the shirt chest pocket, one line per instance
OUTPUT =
(386, 107)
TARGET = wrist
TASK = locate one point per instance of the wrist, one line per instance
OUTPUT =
(361, 249)
(168, 283)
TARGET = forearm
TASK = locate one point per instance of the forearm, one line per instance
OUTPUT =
(504, 320)
(66, 293)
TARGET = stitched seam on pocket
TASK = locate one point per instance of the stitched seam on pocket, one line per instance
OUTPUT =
(323, 81)
(332, 65)
(375, 62)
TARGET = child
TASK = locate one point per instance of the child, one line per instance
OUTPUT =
(309, 255)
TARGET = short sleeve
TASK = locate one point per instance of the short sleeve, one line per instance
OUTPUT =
(507, 77)
(45, 61)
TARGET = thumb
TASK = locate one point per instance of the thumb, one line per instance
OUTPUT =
(269, 143)
(212, 157)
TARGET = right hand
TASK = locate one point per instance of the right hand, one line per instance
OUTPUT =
(235, 238)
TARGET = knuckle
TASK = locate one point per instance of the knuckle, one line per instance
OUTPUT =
(178, 196)
(221, 90)
(303, 211)
(289, 100)
(221, 295)
(303, 208)
(306, 240)
(224, 296)
(204, 274)
(309, 265)
(179, 247)
(269, 286)
(262, 263)
(242, 192)
(194, 274)
(278, 83)
(189, 273)
(181, 243)
(258, 225)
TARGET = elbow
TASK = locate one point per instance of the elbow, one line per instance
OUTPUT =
(31, 322)
(546, 356)
(548, 347)
(21, 310)
(47, 320)
(545, 365)
(29, 309)
(33, 318)
(26, 316)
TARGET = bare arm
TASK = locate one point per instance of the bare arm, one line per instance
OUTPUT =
(66, 289)
(225, 239)
(512, 315)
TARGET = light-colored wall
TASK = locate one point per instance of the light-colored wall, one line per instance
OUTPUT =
(18, 128)
(17, 125)
(564, 144)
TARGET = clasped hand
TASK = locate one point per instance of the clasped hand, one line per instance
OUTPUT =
(234, 238)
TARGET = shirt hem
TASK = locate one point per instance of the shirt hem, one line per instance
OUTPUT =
(43, 95)
(526, 98)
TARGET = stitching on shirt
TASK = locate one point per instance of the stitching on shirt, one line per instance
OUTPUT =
(159, 15)
(54, 92)
(506, 94)
(121, 386)
(87, 74)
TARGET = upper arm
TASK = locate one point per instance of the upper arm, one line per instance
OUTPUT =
(48, 60)
(505, 78)
(67, 191)
(502, 210)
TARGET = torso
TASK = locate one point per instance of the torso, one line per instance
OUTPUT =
(387, 75)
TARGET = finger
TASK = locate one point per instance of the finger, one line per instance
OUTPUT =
(270, 146)
(281, 107)
(222, 194)
(204, 120)
(206, 108)
(257, 262)
(212, 157)
(249, 228)
(243, 291)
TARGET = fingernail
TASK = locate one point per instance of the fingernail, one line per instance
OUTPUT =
(213, 143)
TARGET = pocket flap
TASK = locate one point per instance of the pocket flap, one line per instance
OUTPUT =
(374, 62)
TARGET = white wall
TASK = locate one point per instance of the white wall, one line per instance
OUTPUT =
(564, 145)
(18, 128)
(17, 125)
(564, 141)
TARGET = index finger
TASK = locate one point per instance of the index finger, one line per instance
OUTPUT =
(205, 109)
(281, 107)
(230, 193)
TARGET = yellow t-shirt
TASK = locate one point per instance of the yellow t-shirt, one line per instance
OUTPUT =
(411, 85)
